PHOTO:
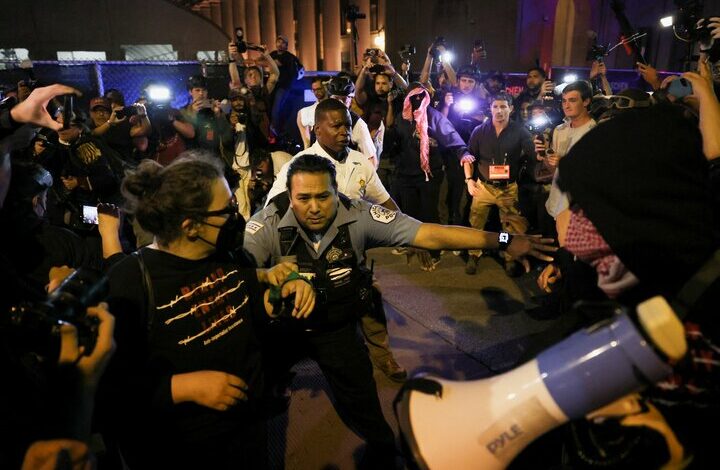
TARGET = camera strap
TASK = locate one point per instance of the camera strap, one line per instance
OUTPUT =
(147, 289)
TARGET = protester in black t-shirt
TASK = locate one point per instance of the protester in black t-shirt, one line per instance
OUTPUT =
(188, 370)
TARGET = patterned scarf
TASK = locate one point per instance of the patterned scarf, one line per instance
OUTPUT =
(584, 241)
(421, 125)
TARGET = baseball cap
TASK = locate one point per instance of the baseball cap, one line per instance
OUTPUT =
(100, 102)
(283, 37)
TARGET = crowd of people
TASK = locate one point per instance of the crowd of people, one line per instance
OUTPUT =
(227, 258)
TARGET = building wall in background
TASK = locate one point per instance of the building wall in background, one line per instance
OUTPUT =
(517, 33)
(47, 26)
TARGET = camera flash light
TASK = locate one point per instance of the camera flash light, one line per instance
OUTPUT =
(667, 21)
(158, 93)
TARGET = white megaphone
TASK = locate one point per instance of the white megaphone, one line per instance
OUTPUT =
(484, 424)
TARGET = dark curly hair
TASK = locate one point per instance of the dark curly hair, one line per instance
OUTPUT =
(161, 198)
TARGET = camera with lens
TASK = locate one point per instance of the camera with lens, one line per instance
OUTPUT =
(353, 13)
(539, 124)
(38, 323)
(407, 51)
(542, 126)
(688, 14)
(240, 41)
(127, 111)
(439, 41)
(597, 52)
(373, 54)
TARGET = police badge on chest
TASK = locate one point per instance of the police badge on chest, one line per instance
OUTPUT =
(339, 271)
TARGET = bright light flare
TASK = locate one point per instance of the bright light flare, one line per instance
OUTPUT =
(466, 105)
(667, 21)
(158, 93)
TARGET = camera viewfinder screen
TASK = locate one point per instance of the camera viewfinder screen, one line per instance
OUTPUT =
(90, 215)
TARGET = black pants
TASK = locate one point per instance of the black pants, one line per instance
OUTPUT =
(456, 186)
(419, 198)
(343, 359)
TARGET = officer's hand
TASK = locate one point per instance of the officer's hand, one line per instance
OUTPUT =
(304, 297)
(533, 245)
(276, 275)
(426, 261)
(210, 388)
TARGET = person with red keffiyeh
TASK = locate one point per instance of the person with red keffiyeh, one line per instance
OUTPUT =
(421, 136)
(644, 219)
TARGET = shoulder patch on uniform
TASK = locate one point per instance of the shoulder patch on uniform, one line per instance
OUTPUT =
(253, 226)
(382, 214)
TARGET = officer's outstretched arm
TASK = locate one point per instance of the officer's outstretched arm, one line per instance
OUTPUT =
(444, 237)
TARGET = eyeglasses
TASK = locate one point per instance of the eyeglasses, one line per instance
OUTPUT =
(624, 102)
(230, 209)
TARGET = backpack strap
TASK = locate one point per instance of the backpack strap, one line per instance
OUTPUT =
(147, 289)
(696, 286)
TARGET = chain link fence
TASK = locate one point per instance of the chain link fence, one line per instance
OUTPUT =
(94, 78)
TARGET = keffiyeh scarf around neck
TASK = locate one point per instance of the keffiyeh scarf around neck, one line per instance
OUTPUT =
(421, 125)
(584, 241)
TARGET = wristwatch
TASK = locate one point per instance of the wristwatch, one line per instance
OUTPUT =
(504, 240)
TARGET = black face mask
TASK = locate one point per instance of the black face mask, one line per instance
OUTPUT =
(230, 236)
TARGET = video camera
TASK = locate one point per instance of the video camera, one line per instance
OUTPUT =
(374, 54)
(439, 41)
(242, 45)
(353, 13)
(539, 124)
(597, 52)
(407, 51)
(542, 126)
(38, 323)
(688, 14)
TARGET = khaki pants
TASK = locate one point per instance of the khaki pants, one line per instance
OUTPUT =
(489, 196)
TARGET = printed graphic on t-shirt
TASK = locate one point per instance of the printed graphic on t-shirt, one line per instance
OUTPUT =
(207, 310)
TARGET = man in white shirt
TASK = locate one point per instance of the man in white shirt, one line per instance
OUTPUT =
(356, 176)
(306, 116)
(576, 99)
(343, 89)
